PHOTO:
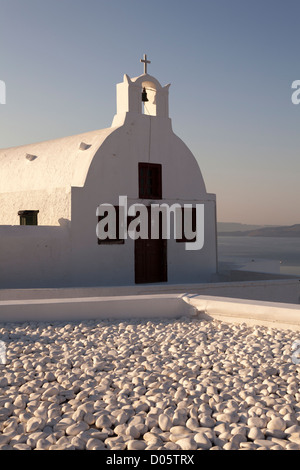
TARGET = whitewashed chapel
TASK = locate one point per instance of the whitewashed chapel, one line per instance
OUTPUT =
(50, 192)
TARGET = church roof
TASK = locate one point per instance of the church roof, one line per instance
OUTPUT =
(58, 163)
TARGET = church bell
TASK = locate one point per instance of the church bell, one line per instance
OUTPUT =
(144, 95)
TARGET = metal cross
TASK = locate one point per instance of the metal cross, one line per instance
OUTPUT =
(145, 62)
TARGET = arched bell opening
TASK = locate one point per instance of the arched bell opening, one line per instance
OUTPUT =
(148, 96)
(141, 95)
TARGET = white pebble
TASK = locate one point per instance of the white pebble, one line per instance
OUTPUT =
(76, 428)
(3, 382)
(276, 424)
(202, 441)
(256, 422)
(255, 433)
(34, 423)
(133, 432)
(187, 443)
(165, 422)
(136, 445)
(192, 424)
(103, 421)
(94, 444)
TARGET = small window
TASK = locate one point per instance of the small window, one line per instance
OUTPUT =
(150, 181)
(112, 241)
(183, 224)
(28, 217)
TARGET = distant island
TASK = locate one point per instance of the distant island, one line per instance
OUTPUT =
(241, 230)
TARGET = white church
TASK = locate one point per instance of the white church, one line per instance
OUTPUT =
(50, 192)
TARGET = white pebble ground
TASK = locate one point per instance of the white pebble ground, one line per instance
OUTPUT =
(181, 384)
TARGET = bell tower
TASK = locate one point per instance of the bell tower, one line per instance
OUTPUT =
(141, 95)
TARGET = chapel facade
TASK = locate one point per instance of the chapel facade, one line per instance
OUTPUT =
(50, 193)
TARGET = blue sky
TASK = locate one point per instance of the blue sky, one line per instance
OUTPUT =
(230, 63)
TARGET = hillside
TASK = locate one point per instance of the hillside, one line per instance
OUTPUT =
(281, 231)
(237, 227)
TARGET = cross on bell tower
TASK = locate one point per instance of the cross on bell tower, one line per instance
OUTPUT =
(145, 62)
(132, 94)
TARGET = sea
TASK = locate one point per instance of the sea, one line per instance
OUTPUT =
(285, 251)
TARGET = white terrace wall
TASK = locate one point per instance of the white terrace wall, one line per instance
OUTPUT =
(269, 290)
(34, 256)
(283, 291)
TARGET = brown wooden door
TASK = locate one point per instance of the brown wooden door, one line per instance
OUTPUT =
(150, 261)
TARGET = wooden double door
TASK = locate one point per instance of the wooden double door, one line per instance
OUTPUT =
(150, 259)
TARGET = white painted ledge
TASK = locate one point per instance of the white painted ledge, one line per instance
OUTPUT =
(230, 310)
(251, 312)
(116, 307)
